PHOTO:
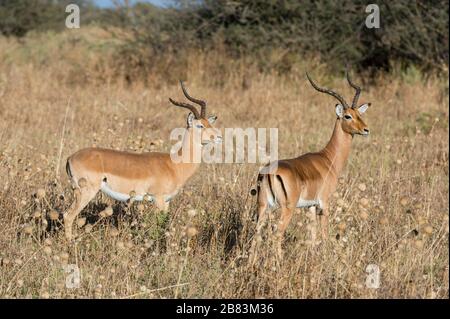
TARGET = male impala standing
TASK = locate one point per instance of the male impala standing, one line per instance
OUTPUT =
(124, 176)
(308, 180)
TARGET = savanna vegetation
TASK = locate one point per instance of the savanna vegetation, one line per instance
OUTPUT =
(107, 84)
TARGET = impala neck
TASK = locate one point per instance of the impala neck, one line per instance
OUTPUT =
(338, 147)
(187, 169)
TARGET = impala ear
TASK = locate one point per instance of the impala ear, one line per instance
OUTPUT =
(212, 119)
(339, 110)
(190, 119)
(363, 108)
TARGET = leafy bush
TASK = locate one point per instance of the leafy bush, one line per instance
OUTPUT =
(411, 32)
(18, 17)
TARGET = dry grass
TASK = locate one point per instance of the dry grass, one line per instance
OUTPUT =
(391, 208)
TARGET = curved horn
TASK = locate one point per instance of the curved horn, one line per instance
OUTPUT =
(327, 91)
(187, 106)
(357, 89)
(197, 101)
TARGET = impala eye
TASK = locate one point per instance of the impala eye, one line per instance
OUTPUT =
(199, 126)
(347, 117)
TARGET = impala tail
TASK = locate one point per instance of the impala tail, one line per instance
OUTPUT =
(69, 172)
(273, 186)
(255, 190)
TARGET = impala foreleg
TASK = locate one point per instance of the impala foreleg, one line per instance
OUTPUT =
(161, 203)
(82, 198)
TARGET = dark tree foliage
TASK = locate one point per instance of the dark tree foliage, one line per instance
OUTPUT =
(410, 31)
(18, 17)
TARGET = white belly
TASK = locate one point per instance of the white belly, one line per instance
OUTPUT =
(307, 202)
(119, 196)
(104, 187)
(300, 204)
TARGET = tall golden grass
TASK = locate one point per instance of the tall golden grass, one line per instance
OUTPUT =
(390, 209)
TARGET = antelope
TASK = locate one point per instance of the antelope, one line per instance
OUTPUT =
(125, 176)
(308, 180)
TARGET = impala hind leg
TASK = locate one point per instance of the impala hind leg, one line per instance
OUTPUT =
(285, 218)
(82, 198)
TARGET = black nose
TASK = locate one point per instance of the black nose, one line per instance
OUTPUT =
(366, 130)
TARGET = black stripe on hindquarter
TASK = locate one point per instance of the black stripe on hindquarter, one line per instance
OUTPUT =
(271, 188)
(282, 186)
(68, 171)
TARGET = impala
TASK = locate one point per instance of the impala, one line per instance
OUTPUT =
(308, 180)
(133, 177)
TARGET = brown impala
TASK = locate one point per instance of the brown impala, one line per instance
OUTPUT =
(130, 176)
(308, 180)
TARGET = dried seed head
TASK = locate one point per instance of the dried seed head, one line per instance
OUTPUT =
(88, 228)
(364, 215)
(364, 202)
(428, 229)
(109, 211)
(191, 231)
(82, 182)
(384, 221)
(132, 194)
(28, 229)
(81, 221)
(192, 212)
(404, 201)
(64, 256)
(40, 193)
(98, 291)
(147, 197)
(37, 214)
(54, 215)
(342, 226)
(419, 244)
(114, 232)
(47, 250)
(362, 187)
(45, 295)
(140, 207)
(129, 244)
(120, 245)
